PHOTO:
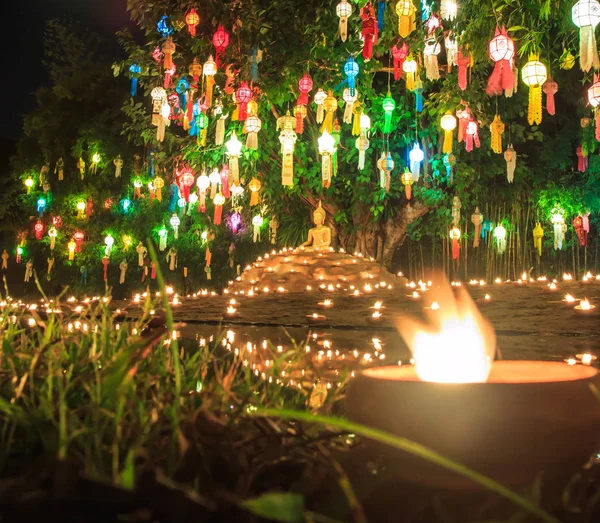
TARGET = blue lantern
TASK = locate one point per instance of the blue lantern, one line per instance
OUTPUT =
(163, 27)
(41, 205)
(418, 95)
(135, 70)
(380, 14)
(351, 70)
(182, 88)
(193, 126)
(126, 205)
(449, 162)
(174, 196)
(425, 10)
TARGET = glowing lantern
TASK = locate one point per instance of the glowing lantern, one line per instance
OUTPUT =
(192, 20)
(126, 239)
(463, 61)
(80, 210)
(203, 183)
(550, 89)
(305, 85)
(343, 10)
(388, 105)
(168, 50)
(560, 227)
(78, 237)
(162, 238)
(71, 246)
(510, 156)
(287, 139)
(137, 188)
(410, 68)
(220, 40)
(209, 71)
(219, 200)
(477, 221)
(234, 150)
(52, 233)
(451, 50)
(109, 241)
(253, 126)
(416, 156)
(418, 90)
(406, 10)
(594, 99)
(500, 236)
(472, 137)
(254, 187)
(448, 123)
(497, 130)
(134, 71)
(586, 15)
(329, 106)
(301, 112)
(158, 95)
(158, 183)
(502, 51)
(327, 149)
(399, 54)
(186, 180)
(214, 178)
(125, 205)
(385, 164)
(175, 222)
(195, 69)
(407, 181)
(430, 53)
(319, 99)
(538, 235)
(29, 184)
(351, 71)
(257, 222)
(566, 60)
(362, 144)
(243, 95)
(39, 230)
(163, 27)
(369, 32)
(455, 237)
(534, 75)
(448, 9)
(41, 204)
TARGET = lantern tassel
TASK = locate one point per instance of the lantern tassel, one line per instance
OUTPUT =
(252, 141)
(410, 81)
(347, 112)
(356, 123)
(455, 249)
(432, 70)
(210, 83)
(320, 113)
(463, 62)
(534, 112)
(408, 191)
(328, 122)
(588, 52)
(220, 132)
(234, 170)
(447, 149)
(387, 126)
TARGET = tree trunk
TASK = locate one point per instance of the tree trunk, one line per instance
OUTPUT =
(395, 229)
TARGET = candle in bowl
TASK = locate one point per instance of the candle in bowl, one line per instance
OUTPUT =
(486, 300)
(376, 318)
(586, 359)
(325, 303)
(414, 296)
(315, 318)
(435, 306)
(231, 312)
(552, 287)
(585, 308)
(508, 404)
(568, 300)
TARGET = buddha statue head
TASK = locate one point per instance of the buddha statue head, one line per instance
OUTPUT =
(319, 215)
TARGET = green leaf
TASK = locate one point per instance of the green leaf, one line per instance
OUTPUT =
(277, 506)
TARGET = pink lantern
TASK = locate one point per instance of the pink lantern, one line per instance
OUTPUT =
(463, 61)
(502, 51)
(220, 40)
(186, 180)
(305, 86)
(243, 95)
(39, 230)
(399, 54)
(550, 88)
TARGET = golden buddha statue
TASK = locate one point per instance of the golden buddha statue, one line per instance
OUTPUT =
(319, 237)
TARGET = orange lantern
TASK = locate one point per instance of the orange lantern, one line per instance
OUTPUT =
(254, 187)
(192, 20)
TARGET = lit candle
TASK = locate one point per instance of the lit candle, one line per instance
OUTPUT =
(585, 308)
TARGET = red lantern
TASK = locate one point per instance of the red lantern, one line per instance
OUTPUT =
(225, 181)
(108, 203)
(550, 88)
(192, 20)
(463, 61)
(57, 221)
(455, 237)
(78, 237)
(186, 180)
(580, 230)
(370, 31)
(220, 40)
(305, 85)
(39, 230)
(502, 51)
(300, 112)
(243, 95)
(399, 54)
(472, 137)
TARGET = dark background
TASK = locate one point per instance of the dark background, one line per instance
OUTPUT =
(23, 38)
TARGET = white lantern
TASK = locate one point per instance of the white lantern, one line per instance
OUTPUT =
(416, 156)
(343, 10)
(175, 224)
(234, 150)
(327, 150)
(586, 16)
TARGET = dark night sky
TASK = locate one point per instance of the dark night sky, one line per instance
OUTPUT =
(23, 26)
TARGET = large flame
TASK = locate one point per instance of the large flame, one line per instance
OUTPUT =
(456, 344)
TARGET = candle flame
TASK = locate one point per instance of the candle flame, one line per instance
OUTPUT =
(456, 344)
(567, 276)
(378, 305)
(585, 305)
(569, 298)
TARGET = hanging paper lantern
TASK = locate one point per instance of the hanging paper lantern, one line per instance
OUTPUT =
(254, 187)
(550, 89)
(80, 210)
(235, 221)
(109, 241)
(407, 181)
(472, 135)
(234, 150)
(399, 54)
(448, 9)
(463, 61)
(464, 117)
(330, 106)
(410, 68)
(451, 46)
(497, 130)
(287, 139)
(243, 95)
(594, 99)
(357, 112)
(388, 105)
(416, 156)
(203, 183)
(351, 71)
(327, 149)
(362, 144)
(502, 51)
(448, 123)
(343, 10)
(126, 239)
(41, 204)
(134, 71)
(418, 90)
(79, 236)
(195, 69)
(158, 95)
(305, 85)
(477, 221)
(225, 181)
(209, 70)
(406, 10)
(449, 161)
(125, 205)
(218, 200)
(29, 183)
(582, 159)
(159, 183)
(500, 236)
(558, 222)
(52, 234)
(455, 237)
(38, 229)
(192, 20)
(534, 75)
(566, 60)
(257, 223)
(162, 238)
(168, 50)
(381, 167)
(430, 53)
(301, 112)
(220, 40)
(319, 99)
(186, 180)
(164, 27)
(586, 16)
(175, 222)
(579, 230)
(71, 246)
(538, 235)
(253, 125)
(214, 178)
(370, 30)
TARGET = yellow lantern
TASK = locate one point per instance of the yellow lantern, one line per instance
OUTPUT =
(534, 75)
(159, 183)
(448, 123)
(71, 246)
(195, 69)
(126, 239)
(407, 21)
(287, 139)
(234, 150)
(254, 187)
(209, 71)
(497, 130)
(407, 180)
(329, 106)
(80, 210)
(410, 68)
(168, 50)
(29, 184)
(319, 100)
